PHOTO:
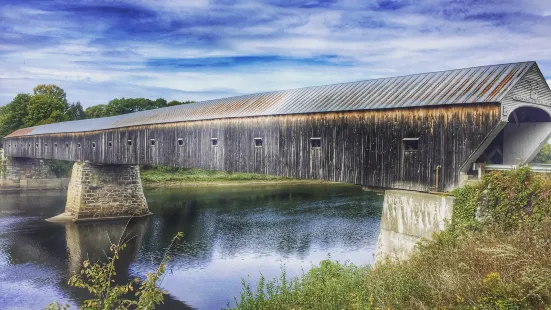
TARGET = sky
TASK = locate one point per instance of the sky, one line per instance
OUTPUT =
(205, 49)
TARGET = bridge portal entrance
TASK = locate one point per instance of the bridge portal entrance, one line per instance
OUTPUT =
(527, 131)
(515, 141)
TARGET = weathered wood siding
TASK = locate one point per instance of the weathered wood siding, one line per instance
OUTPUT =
(356, 147)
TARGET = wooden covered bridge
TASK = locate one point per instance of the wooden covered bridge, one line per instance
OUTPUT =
(419, 132)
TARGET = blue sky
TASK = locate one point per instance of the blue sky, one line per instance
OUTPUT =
(203, 49)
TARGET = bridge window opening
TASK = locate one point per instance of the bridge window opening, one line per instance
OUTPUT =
(29, 145)
(258, 142)
(152, 142)
(110, 143)
(55, 144)
(214, 141)
(129, 142)
(45, 144)
(315, 143)
(180, 142)
(410, 145)
(36, 144)
(66, 144)
(94, 144)
(78, 145)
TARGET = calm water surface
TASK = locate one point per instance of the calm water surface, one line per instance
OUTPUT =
(230, 233)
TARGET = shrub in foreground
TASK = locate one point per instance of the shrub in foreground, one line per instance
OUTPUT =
(99, 280)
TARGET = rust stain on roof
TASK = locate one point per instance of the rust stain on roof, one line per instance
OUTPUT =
(21, 132)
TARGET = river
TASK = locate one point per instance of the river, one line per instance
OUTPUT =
(231, 232)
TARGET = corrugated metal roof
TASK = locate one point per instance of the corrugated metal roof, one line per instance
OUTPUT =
(461, 86)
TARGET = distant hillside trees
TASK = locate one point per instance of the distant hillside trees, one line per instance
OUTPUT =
(48, 104)
(95, 111)
(129, 105)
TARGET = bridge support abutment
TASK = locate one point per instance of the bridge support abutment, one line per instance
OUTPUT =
(28, 173)
(408, 217)
(100, 192)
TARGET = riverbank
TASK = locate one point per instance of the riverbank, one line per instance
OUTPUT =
(155, 177)
(495, 254)
(171, 177)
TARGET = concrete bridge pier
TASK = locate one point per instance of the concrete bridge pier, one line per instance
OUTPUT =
(101, 192)
(28, 173)
(407, 218)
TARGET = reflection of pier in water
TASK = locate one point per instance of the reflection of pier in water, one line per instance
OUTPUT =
(91, 241)
(88, 240)
(220, 226)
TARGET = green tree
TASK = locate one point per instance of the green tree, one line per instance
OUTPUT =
(130, 105)
(176, 102)
(95, 111)
(120, 106)
(76, 112)
(12, 115)
(48, 105)
(544, 156)
(159, 103)
(123, 106)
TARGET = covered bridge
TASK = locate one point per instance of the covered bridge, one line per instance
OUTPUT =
(417, 132)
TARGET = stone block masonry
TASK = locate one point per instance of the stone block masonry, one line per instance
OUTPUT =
(407, 218)
(27, 168)
(98, 192)
(28, 173)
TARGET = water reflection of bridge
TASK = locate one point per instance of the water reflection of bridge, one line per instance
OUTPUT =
(283, 222)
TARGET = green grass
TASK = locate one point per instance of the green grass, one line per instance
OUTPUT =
(178, 175)
(502, 262)
(490, 270)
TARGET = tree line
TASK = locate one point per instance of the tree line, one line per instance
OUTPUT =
(48, 104)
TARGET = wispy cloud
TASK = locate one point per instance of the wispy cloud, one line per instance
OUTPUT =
(194, 50)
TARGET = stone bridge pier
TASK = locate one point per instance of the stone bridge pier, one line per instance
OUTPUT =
(101, 192)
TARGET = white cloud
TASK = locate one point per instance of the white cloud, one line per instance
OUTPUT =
(378, 43)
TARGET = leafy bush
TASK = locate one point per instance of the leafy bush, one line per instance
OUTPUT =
(60, 168)
(507, 198)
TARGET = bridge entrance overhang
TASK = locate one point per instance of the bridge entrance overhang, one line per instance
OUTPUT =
(514, 141)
